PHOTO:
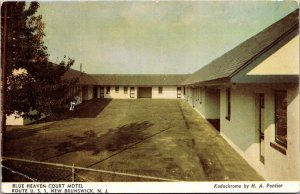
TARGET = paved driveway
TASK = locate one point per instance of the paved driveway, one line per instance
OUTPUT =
(159, 138)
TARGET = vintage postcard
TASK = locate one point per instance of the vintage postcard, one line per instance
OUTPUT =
(150, 96)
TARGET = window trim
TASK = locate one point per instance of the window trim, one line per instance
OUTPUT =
(279, 141)
(228, 99)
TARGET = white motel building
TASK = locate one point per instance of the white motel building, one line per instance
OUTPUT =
(252, 91)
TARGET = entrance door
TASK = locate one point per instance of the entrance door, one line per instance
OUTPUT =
(95, 92)
(178, 92)
(101, 92)
(131, 92)
(145, 92)
(260, 105)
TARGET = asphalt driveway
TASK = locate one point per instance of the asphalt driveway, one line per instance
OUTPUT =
(159, 138)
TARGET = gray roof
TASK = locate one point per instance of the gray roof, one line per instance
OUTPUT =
(140, 79)
(244, 54)
(84, 79)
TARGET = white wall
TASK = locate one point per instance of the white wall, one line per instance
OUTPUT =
(242, 135)
(11, 120)
(205, 100)
(189, 95)
(120, 94)
(168, 92)
(273, 65)
(212, 103)
(197, 99)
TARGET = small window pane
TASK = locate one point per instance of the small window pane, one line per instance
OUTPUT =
(125, 89)
(281, 117)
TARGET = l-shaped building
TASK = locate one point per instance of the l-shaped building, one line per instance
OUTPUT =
(252, 91)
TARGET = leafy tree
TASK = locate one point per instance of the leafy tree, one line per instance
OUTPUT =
(33, 82)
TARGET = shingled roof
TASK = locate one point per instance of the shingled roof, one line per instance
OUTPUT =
(236, 59)
(84, 79)
(126, 79)
(140, 79)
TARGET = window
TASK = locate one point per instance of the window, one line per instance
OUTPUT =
(160, 89)
(125, 89)
(228, 97)
(107, 89)
(117, 89)
(184, 91)
(281, 118)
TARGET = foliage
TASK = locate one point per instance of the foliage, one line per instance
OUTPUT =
(33, 82)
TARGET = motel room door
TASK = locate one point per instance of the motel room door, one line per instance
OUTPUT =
(178, 92)
(101, 92)
(95, 89)
(145, 92)
(132, 92)
(259, 117)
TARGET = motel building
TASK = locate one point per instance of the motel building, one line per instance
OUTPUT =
(251, 92)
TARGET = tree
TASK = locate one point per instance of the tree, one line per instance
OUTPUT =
(33, 82)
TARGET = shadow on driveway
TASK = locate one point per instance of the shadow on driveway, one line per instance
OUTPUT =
(87, 109)
(90, 109)
(114, 140)
(20, 132)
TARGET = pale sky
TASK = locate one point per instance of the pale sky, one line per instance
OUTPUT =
(152, 37)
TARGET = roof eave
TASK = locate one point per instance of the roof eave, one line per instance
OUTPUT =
(214, 82)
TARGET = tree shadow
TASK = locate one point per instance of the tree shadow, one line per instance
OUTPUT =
(90, 109)
(87, 109)
(20, 132)
(114, 140)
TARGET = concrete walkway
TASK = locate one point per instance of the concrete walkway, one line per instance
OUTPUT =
(159, 138)
(218, 159)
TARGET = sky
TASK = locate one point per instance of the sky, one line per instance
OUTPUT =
(164, 37)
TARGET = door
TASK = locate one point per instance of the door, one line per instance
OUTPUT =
(260, 105)
(178, 92)
(145, 92)
(132, 92)
(95, 92)
(101, 92)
